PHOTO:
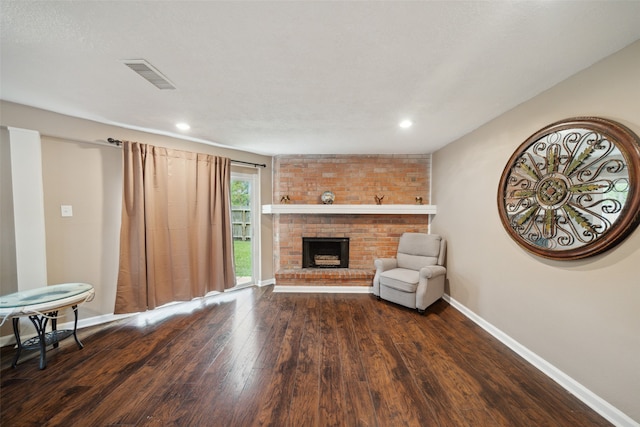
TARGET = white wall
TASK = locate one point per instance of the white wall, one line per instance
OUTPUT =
(84, 247)
(582, 316)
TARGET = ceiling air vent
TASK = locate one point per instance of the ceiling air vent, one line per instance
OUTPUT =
(149, 73)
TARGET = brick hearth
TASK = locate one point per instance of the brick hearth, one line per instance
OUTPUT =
(354, 180)
(325, 277)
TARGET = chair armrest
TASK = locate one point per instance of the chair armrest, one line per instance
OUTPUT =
(432, 271)
(384, 264)
(430, 286)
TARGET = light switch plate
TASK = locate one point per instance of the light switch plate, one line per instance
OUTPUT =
(66, 210)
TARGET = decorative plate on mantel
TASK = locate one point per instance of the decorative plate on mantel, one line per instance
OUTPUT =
(328, 197)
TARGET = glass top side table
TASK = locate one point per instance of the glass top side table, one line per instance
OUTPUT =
(40, 305)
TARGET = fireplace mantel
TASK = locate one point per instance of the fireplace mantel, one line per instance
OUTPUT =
(350, 209)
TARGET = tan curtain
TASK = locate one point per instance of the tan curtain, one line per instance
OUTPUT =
(175, 238)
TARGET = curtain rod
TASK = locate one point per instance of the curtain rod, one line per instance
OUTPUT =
(261, 165)
(118, 143)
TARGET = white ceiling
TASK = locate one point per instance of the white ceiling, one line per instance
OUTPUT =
(303, 77)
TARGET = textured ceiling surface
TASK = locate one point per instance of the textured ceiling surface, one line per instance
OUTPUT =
(303, 77)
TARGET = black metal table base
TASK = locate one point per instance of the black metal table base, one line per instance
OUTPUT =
(43, 338)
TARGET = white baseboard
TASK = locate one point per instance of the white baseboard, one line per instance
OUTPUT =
(97, 320)
(8, 340)
(267, 282)
(82, 323)
(324, 289)
(601, 406)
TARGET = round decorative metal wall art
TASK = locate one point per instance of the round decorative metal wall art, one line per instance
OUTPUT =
(572, 189)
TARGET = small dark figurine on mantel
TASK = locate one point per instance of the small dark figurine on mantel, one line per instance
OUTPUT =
(379, 199)
(418, 200)
(285, 199)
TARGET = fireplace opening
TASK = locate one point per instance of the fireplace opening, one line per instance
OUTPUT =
(325, 252)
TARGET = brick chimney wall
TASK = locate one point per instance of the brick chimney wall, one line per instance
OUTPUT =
(354, 179)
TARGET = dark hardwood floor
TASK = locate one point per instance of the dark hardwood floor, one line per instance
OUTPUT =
(254, 357)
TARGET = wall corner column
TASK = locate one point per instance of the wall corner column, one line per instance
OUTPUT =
(28, 208)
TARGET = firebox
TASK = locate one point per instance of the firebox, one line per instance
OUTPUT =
(325, 252)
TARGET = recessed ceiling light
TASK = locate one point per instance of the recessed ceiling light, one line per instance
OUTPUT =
(183, 126)
(405, 124)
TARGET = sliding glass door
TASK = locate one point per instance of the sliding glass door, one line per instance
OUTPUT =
(244, 214)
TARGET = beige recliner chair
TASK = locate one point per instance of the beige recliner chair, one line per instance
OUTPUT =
(415, 278)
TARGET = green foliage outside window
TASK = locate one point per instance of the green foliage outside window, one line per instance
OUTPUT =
(239, 193)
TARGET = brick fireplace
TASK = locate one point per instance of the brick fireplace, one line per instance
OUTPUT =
(355, 180)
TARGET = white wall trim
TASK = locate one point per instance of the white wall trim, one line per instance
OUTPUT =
(82, 323)
(601, 406)
(324, 289)
(267, 282)
(96, 320)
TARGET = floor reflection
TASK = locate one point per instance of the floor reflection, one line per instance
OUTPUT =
(179, 308)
